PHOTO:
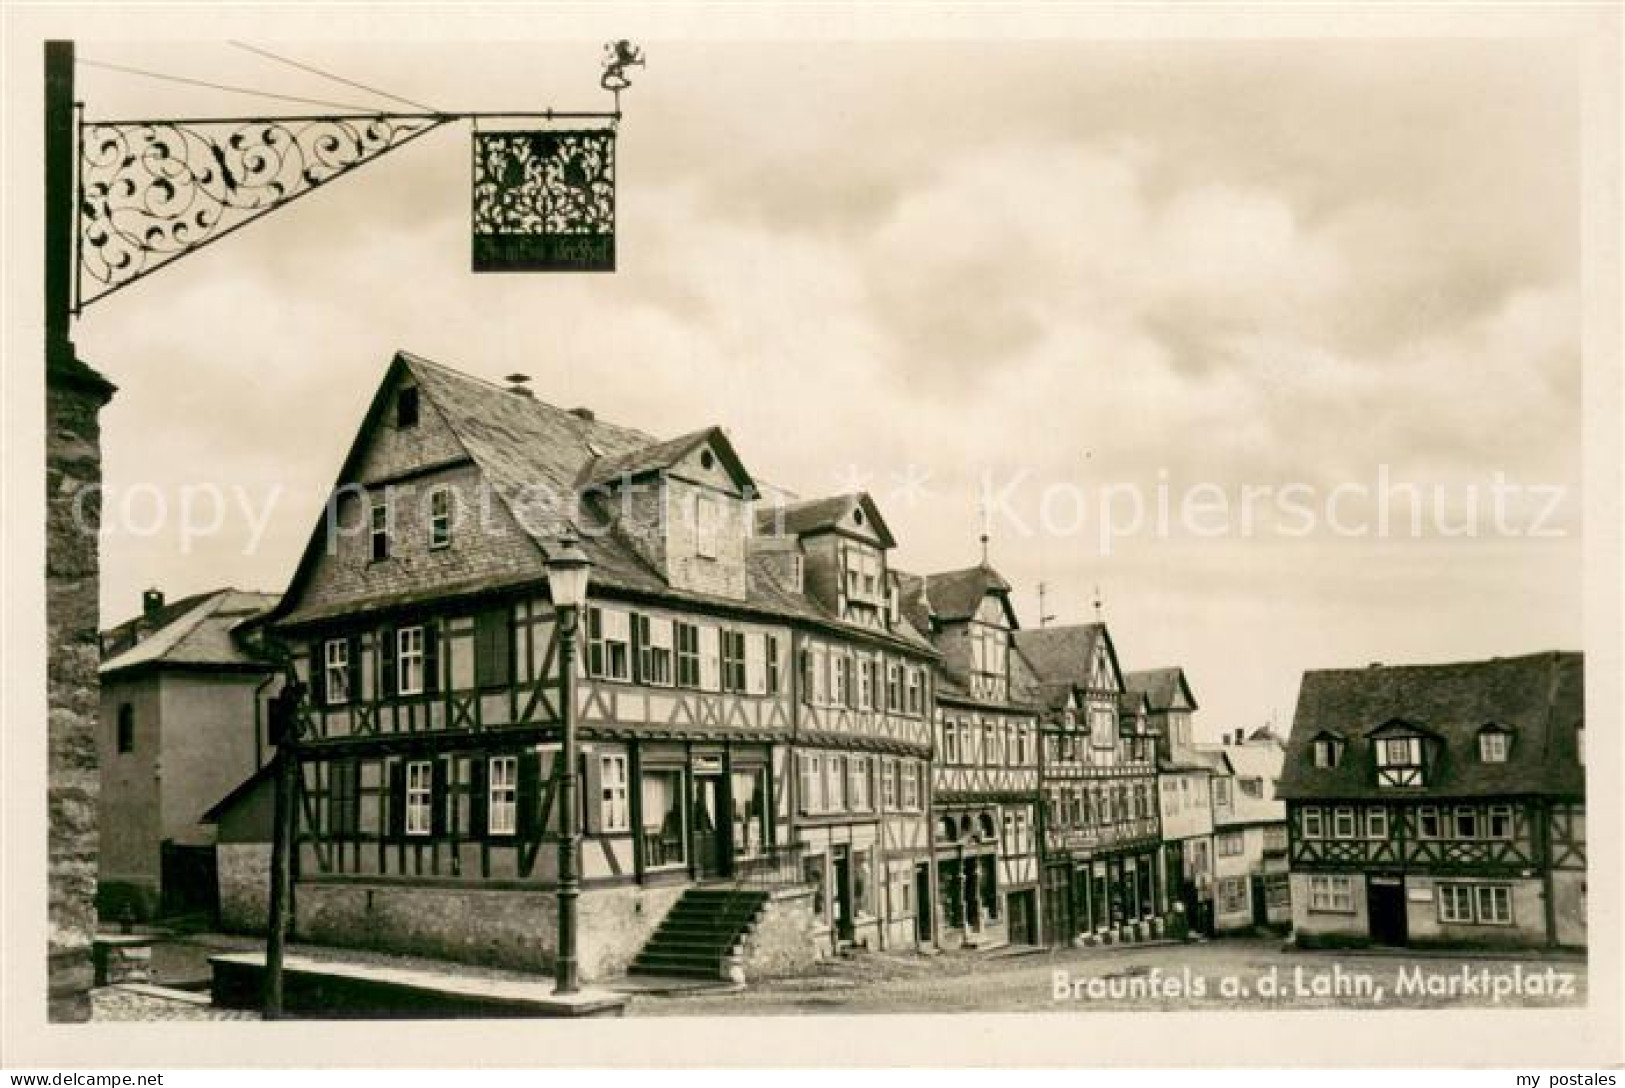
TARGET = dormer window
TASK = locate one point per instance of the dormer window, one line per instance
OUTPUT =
(862, 574)
(1399, 761)
(1327, 752)
(1493, 745)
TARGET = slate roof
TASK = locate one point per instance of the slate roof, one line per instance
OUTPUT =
(1539, 697)
(958, 594)
(663, 455)
(195, 631)
(521, 444)
(1160, 686)
(1064, 656)
(819, 515)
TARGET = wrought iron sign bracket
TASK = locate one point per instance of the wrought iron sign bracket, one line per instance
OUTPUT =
(150, 191)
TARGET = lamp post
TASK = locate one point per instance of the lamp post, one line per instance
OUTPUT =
(568, 570)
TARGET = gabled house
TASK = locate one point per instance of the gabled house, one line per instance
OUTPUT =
(984, 780)
(183, 697)
(1251, 888)
(726, 744)
(1439, 804)
(1184, 802)
(1102, 858)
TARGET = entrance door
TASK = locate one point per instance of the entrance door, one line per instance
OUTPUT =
(1261, 908)
(1386, 904)
(842, 862)
(710, 830)
(1020, 906)
(973, 895)
(922, 902)
(1057, 905)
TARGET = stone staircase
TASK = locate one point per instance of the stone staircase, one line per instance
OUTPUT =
(700, 933)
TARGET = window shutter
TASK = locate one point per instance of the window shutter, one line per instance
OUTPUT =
(710, 658)
(592, 795)
(431, 657)
(397, 799)
(529, 807)
(355, 669)
(318, 672)
(386, 663)
(437, 800)
(479, 797)
(640, 642)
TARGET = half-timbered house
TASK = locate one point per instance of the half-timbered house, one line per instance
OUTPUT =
(1250, 883)
(1439, 804)
(421, 622)
(1101, 843)
(862, 732)
(984, 779)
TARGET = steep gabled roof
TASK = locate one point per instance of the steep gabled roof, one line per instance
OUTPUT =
(195, 632)
(957, 594)
(1066, 655)
(1539, 698)
(822, 515)
(1160, 686)
(523, 447)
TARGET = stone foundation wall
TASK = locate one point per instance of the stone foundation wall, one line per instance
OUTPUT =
(244, 874)
(516, 928)
(74, 396)
(783, 941)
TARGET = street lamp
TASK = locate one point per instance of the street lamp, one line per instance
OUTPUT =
(568, 570)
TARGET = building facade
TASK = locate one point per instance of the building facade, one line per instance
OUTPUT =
(1102, 858)
(1184, 796)
(984, 774)
(748, 713)
(1251, 887)
(1439, 805)
(182, 722)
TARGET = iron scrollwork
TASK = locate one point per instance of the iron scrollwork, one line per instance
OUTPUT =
(151, 192)
(544, 201)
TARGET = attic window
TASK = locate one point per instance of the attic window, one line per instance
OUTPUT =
(1399, 761)
(707, 460)
(1327, 751)
(406, 408)
(1493, 745)
(857, 517)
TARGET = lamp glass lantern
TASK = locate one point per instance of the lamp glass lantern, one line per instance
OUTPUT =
(568, 571)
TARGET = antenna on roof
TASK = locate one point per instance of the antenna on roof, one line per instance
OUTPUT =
(1044, 617)
(519, 384)
(981, 506)
(1100, 606)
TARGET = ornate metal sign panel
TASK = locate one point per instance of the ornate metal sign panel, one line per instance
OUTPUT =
(544, 201)
(150, 192)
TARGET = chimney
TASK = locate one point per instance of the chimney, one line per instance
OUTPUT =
(518, 384)
(152, 603)
(1240, 735)
(584, 413)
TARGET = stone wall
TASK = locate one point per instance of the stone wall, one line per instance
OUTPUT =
(244, 874)
(513, 928)
(74, 397)
(782, 942)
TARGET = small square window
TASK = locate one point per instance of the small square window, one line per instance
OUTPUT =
(126, 728)
(1492, 746)
(380, 531)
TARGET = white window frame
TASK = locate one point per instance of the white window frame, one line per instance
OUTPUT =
(811, 772)
(379, 530)
(409, 661)
(440, 518)
(1232, 894)
(1343, 823)
(1470, 812)
(1376, 822)
(1232, 844)
(1499, 813)
(502, 795)
(419, 799)
(1498, 896)
(1331, 893)
(909, 775)
(615, 812)
(659, 665)
(1493, 746)
(1423, 814)
(1314, 822)
(888, 784)
(1455, 904)
(857, 784)
(835, 799)
(336, 671)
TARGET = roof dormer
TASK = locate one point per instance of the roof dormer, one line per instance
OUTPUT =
(1402, 753)
(1494, 743)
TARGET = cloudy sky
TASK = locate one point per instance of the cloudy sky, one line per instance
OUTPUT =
(1065, 270)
